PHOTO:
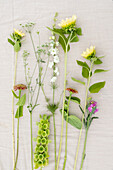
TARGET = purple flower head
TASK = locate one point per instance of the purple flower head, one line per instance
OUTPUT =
(93, 103)
(90, 108)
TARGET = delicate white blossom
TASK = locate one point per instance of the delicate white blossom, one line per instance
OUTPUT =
(57, 44)
(56, 59)
(53, 79)
(56, 71)
(50, 64)
(53, 51)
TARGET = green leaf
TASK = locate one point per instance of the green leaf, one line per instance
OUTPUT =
(81, 109)
(75, 121)
(83, 64)
(11, 42)
(74, 99)
(85, 72)
(92, 120)
(15, 94)
(19, 112)
(62, 39)
(101, 57)
(78, 81)
(22, 100)
(98, 61)
(100, 70)
(95, 88)
(79, 31)
(17, 46)
(74, 38)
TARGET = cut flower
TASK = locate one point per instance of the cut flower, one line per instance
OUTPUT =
(20, 87)
(72, 90)
(69, 22)
(20, 33)
(89, 53)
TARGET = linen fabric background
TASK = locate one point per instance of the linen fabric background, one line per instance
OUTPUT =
(95, 17)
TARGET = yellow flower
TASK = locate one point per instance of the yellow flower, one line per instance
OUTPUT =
(89, 52)
(20, 33)
(68, 22)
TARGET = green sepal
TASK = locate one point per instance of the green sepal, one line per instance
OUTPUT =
(15, 94)
(19, 112)
(95, 88)
(22, 101)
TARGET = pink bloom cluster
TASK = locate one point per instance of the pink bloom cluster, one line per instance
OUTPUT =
(92, 105)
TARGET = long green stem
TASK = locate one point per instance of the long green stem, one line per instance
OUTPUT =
(84, 150)
(65, 75)
(13, 124)
(31, 141)
(54, 138)
(86, 96)
(65, 158)
(17, 136)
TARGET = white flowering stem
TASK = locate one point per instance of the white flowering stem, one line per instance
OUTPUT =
(13, 124)
(86, 96)
(65, 158)
(65, 75)
(17, 136)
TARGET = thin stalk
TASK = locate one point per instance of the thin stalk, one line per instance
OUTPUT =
(86, 96)
(31, 141)
(65, 75)
(65, 158)
(84, 150)
(13, 124)
(54, 140)
(17, 135)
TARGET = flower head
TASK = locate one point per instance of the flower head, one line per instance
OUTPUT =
(89, 53)
(53, 79)
(92, 106)
(56, 59)
(72, 90)
(20, 33)
(20, 87)
(68, 23)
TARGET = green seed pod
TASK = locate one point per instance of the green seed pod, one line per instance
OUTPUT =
(41, 150)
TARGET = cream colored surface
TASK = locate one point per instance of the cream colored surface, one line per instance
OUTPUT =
(96, 19)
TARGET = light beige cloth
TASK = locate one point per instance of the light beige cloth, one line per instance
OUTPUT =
(95, 17)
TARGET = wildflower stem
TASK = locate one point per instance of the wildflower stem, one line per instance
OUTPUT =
(83, 154)
(13, 124)
(17, 135)
(54, 139)
(86, 96)
(65, 75)
(65, 158)
(31, 140)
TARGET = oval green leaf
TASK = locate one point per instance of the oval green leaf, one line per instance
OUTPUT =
(95, 88)
(75, 121)
(100, 70)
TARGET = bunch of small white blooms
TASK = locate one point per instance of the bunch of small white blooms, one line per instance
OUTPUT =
(54, 52)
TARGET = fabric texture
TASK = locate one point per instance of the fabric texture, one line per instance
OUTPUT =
(96, 20)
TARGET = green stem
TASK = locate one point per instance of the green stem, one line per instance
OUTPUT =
(13, 124)
(65, 75)
(17, 135)
(84, 150)
(31, 141)
(65, 158)
(86, 96)
(54, 139)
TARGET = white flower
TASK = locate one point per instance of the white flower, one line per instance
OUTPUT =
(52, 38)
(53, 79)
(56, 71)
(51, 64)
(53, 51)
(57, 43)
(56, 59)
